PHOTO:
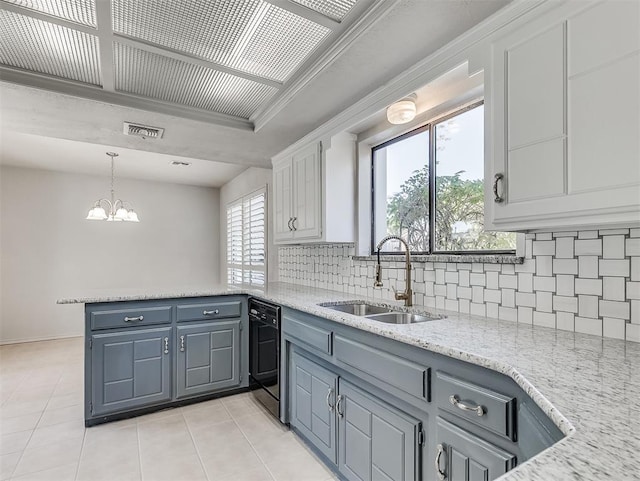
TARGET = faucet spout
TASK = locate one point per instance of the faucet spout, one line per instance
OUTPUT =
(407, 295)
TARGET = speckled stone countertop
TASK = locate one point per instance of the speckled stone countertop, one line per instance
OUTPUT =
(589, 386)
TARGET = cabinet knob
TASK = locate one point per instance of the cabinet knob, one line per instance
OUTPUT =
(289, 223)
(496, 197)
(442, 475)
(293, 223)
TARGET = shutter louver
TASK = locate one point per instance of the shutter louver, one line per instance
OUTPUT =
(246, 240)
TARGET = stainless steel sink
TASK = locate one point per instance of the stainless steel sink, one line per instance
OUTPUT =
(358, 308)
(400, 318)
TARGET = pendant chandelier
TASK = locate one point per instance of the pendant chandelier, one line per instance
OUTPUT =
(114, 210)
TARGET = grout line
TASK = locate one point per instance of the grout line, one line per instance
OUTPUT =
(195, 445)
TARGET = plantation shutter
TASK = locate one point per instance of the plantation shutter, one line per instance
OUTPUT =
(246, 240)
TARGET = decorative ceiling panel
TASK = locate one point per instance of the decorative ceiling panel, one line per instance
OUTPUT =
(277, 43)
(209, 30)
(78, 11)
(335, 9)
(31, 44)
(249, 35)
(162, 78)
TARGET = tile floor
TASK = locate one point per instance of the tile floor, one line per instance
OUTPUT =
(43, 438)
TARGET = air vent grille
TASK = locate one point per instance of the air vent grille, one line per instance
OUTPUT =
(144, 131)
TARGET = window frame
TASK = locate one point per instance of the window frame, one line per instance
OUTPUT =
(430, 127)
(246, 265)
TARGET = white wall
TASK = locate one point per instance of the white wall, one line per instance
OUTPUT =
(248, 181)
(48, 250)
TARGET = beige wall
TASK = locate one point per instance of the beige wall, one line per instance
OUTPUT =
(48, 250)
(248, 181)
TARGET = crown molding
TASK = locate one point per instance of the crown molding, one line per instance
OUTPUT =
(471, 43)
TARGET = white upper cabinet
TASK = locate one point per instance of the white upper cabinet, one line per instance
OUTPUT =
(563, 118)
(314, 193)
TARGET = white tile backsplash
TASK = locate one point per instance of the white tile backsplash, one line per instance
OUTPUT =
(587, 281)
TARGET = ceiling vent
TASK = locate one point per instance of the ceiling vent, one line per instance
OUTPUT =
(144, 131)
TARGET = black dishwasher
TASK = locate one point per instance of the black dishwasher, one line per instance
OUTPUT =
(264, 354)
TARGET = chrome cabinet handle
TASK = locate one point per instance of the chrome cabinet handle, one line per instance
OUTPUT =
(496, 197)
(455, 400)
(441, 474)
(329, 394)
(293, 223)
(208, 313)
(181, 343)
(166, 345)
(339, 406)
(129, 319)
(289, 223)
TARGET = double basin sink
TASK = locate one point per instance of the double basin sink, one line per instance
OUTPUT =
(378, 313)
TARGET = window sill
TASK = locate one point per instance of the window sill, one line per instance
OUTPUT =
(451, 258)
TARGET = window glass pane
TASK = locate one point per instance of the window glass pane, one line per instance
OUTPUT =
(459, 198)
(401, 192)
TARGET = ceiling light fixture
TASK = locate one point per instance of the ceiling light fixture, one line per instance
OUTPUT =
(115, 207)
(180, 163)
(402, 111)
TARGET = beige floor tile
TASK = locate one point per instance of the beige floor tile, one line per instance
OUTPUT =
(257, 474)
(240, 405)
(109, 461)
(288, 458)
(39, 458)
(111, 432)
(61, 473)
(8, 463)
(261, 427)
(20, 423)
(165, 413)
(13, 408)
(14, 442)
(183, 467)
(72, 431)
(211, 413)
(61, 415)
(58, 401)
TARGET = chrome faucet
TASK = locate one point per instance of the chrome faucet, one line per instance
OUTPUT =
(407, 295)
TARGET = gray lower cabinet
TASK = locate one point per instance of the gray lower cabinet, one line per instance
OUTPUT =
(313, 403)
(208, 357)
(130, 369)
(377, 442)
(462, 456)
(366, 438)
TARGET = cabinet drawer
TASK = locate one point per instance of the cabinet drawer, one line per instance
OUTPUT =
(401, 373)
(137, 317)
(493, 411)
(313, 336)
(209, 310)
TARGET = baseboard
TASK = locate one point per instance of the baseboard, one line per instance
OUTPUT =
(36, 339)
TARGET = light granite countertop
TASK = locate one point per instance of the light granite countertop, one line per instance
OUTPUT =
(589, 386)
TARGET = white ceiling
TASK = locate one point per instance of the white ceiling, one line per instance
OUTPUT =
(352, 66)
(35, 151)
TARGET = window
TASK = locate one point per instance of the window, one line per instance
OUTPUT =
(246, 240)
(428, 188)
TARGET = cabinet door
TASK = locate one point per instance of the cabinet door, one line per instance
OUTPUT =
(461, 456)
(562, 117)
(313, 404)
(282, 200)
(208, 357)
(306, 193)
(130, 369)
(376, 441)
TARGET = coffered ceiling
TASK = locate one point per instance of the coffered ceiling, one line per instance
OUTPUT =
(229, 81)
(225, 61)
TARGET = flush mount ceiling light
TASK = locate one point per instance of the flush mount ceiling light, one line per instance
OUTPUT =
(402, 111)
(113, 210)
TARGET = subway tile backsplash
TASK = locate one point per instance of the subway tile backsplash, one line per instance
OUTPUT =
(587, 281)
